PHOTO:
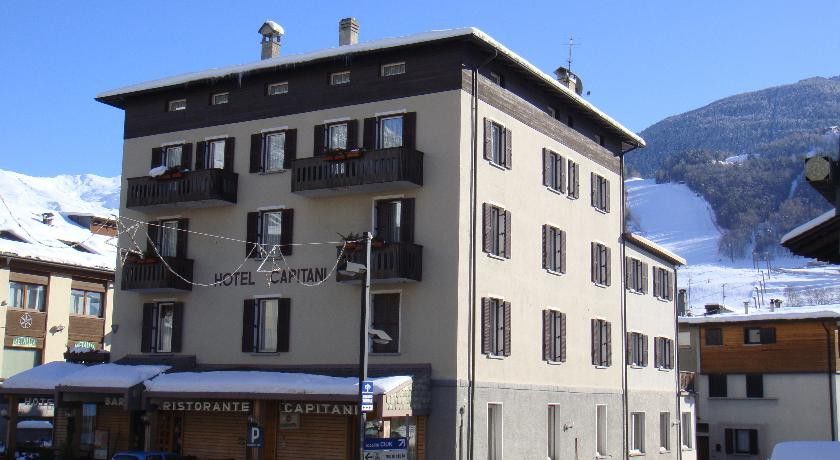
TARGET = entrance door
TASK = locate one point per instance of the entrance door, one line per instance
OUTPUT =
(702, 448)
(332, 432)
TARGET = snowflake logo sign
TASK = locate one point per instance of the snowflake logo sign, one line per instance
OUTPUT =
(25, 321)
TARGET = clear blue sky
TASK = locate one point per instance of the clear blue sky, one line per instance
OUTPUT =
(642, 60)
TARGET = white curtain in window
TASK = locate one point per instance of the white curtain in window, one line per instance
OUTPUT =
(35, 297)
(275, 145)
(269, 310)
(337, 138)
(16, 295)
(173, 157)
(392, 132)
(168, 238)
(94, 303)
(77, 302)
(271, 229)
(216, 156)
(166, 318)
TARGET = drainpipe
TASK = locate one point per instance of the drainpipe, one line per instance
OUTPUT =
(624, 387)
(830, 374)
(473, 298)
(677, 371)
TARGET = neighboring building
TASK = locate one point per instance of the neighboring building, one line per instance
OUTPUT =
(763, 377)
(498, 233)
(819, 238)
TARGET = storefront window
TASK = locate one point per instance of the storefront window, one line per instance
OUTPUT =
(85, 303)
(88, 424)
(29, 296)
(406, 427)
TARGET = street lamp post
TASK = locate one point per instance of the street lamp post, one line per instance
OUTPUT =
(364, 344)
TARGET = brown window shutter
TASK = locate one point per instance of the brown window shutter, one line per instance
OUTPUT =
(606, 198)
(628, 273)
(488, 139)
(157, 157)
(256, 157)
(546, 237)
(508, 149)
(183, 237)
(318, 147)
(382, 219)
(352, 134)
(290, 149)
(486, 324)
(609, 343)
(547, 335)
(177, 326)
(407, 221)
(287, 222)
(644, 278)
(577, 180)
(548, 158)
(644, 350)
(563, 251)
(596, 342)
(656, 282)
(410, 130)
(657, 352)
(729, 441)
(608, 256)
(284, 310)
(200, 155)
(488, 228)
(507, 328)
(562, 337)
(252, 224)
(369, 133)
(186, 156)
(153, 229)
(230, 148)
(629, 345)
(561, 173)
(594, 264)
(248, 326)
(508, 236)
(753, 442)
(593, 179)
(146, 332)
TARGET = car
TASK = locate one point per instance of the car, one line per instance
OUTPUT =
(138, 455)
(810, 450)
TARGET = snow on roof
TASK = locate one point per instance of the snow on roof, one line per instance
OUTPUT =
(655, 248)
(367, 47)
(812, 450)
(35, 425)
(112, 375)
(265, 382)
(811, 224)
(763, 314)
(44, 377)
(26, 198)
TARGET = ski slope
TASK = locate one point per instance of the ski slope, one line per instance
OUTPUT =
(682, 221)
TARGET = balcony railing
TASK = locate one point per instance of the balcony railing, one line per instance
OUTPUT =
(373, 171)
(154, 276)
(202, 188)
(687, 381)
(392, 262)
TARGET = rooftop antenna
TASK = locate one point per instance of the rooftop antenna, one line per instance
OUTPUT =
(571, 44)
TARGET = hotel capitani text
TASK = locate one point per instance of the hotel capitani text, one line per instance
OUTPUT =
(504, 291)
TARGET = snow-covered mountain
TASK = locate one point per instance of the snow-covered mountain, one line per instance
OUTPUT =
(25, 199)
(682, 221)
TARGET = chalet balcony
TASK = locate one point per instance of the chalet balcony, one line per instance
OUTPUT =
(390, 262)
(358, 172)
(202, 188)
(687, 381)
(152, 275)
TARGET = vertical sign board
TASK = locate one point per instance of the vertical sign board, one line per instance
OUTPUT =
(367, 396)
(386, 449)
(255, 436)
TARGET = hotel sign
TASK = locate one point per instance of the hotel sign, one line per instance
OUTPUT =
(285, 276)
(316, 408)
(206, 406)
(25, 342)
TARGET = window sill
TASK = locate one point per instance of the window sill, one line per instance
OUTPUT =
(636, 366)
(554, 190)
(663, 369)
(553, 272)
(555, 363)
(499, 357)
(497, 165)
(602, 367)
(494, 256)
(602, 211)
(604, 286)
(634, 291)
(664, 451)
(636, 453)
(572, 197)
(661, 299)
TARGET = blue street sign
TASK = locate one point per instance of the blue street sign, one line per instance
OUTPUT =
(386, 443)
(367, 387)
(255, 436)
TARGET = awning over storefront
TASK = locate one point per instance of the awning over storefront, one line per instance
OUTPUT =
(94, 384)
(40, 379)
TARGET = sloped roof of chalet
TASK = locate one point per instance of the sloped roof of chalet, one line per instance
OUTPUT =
(784, 313)
(657, 250)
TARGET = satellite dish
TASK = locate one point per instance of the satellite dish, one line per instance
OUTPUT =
(817, 169)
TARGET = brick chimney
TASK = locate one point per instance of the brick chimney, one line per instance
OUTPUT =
(271, 34)
(348, 31)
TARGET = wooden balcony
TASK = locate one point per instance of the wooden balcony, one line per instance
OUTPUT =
(373, 171)
(202, 188)
(391, 263)
(154, 276)
(687, 381)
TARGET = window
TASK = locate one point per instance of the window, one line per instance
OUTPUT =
(573, 186)
(601, 140)
(395, 68)
(172, 155)
(215, 154)
(663, 284)
(266, 325)
(268, 231)
(600, 264)
(664, 431)
(497, 79)
(168, 237)
(495, 331)
(274, 149)
(755, 385)
(220, 98)
(570, 121)
(554, 171)
(85, 303)
(554, 336)
(740, 441)
(497, 236)
(162, 327)
(385, 310)
(554, 249)
(333, 137)
(757, 335)
(663, 353)
(687, 431)
(637, 432)
(717, 386)
(88, 424)
(601, 343)
(168, 244)
(497, 144)
(27, 296)
(600, 193)
(390, 132)
(555, 431)
(494, 432)
(176, 105)
(635, 275)
(337, 136)
(340, 78)
(551, 111)
(601, 430)
(637, 349)
(714, 336)
(406, 427)
(394, 220)
(276, 89)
